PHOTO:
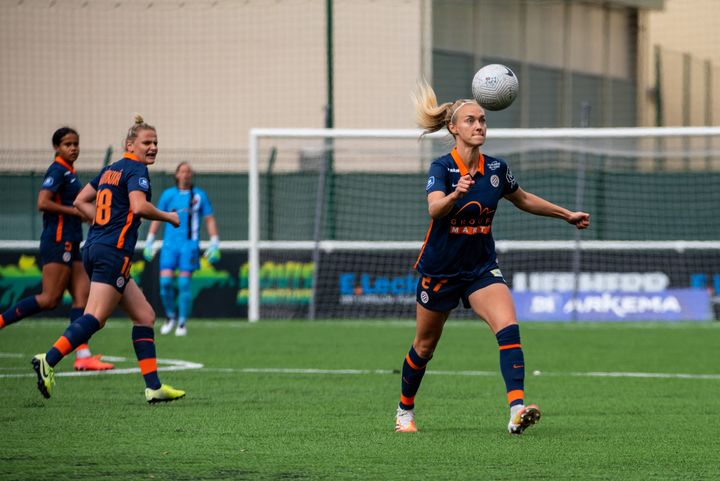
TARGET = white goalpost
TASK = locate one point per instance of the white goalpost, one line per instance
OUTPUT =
(350, 203)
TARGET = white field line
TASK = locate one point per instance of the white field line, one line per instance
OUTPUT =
(164, 365)
(649, 375)
(181, 365)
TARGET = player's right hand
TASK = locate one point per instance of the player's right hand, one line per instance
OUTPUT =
(464, 185)
(174, 219)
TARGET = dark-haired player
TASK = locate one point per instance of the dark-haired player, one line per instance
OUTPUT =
(458, 260)
(60, 246)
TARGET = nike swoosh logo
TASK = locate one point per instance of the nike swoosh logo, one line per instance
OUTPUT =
(518, 366)
(42, 368)
(509, 72)
(453, 185)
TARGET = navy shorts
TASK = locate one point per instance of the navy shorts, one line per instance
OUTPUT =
(185, 256)
(107, 265)
(61, 252)
(442, 294)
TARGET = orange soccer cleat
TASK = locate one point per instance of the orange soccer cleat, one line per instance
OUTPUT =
(405, 421)
(92, 363)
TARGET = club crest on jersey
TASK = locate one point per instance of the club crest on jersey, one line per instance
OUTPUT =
(424, 298)
(494, 180)
(48, 181)
(120, 281)
(144, 183)
(430, 182)
(493, 165)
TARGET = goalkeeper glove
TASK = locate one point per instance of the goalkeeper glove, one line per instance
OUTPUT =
(148, 251)
(212, 253)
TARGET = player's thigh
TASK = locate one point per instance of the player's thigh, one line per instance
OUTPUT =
(137, 306)
(55, 278)
(79, 284)
(102, 301)
(189, 260)
(169, 257)
(494, 305)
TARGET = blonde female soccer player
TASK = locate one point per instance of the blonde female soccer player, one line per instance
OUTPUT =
(458, 262)
(116, 200)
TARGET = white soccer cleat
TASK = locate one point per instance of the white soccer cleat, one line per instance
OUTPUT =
(167, 326)
(522, 417)
(405, 421)
(181, 331)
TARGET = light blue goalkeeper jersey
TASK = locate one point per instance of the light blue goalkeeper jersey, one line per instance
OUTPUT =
(192, 206)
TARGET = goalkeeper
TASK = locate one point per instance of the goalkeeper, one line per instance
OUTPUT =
(181, 246)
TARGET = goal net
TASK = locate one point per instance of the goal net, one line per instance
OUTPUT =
(337, 219)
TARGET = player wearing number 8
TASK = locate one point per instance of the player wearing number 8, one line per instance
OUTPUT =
(116, 199)
(458, 262)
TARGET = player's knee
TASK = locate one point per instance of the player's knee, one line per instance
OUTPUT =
(184, 283)
(166, 282)
(498, 326)
(146, 318)
(424, 349)
(48, 301)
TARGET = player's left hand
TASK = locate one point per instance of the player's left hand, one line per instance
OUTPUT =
(581, 220)
(212, 254)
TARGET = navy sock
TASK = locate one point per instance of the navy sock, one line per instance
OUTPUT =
(77, 333)
(512, 363)
(26, 307)
(76, 313)
(413, 371)
(144, 343)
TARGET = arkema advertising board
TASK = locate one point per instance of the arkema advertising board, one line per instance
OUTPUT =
(612, 286)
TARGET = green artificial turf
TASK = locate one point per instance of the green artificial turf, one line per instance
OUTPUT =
(294, 400)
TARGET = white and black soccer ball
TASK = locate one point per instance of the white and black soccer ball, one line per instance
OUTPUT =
(495, 87)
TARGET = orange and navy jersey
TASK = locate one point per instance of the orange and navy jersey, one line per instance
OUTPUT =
(114, 224)
(460, 244)
(61, 180)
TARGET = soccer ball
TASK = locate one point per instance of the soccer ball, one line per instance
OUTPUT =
(495, 87)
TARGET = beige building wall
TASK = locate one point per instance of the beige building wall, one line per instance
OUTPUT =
(688, 33)
(203, 72)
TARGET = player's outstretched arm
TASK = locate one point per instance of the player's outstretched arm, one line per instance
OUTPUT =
(141, 207)
(537, 205)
